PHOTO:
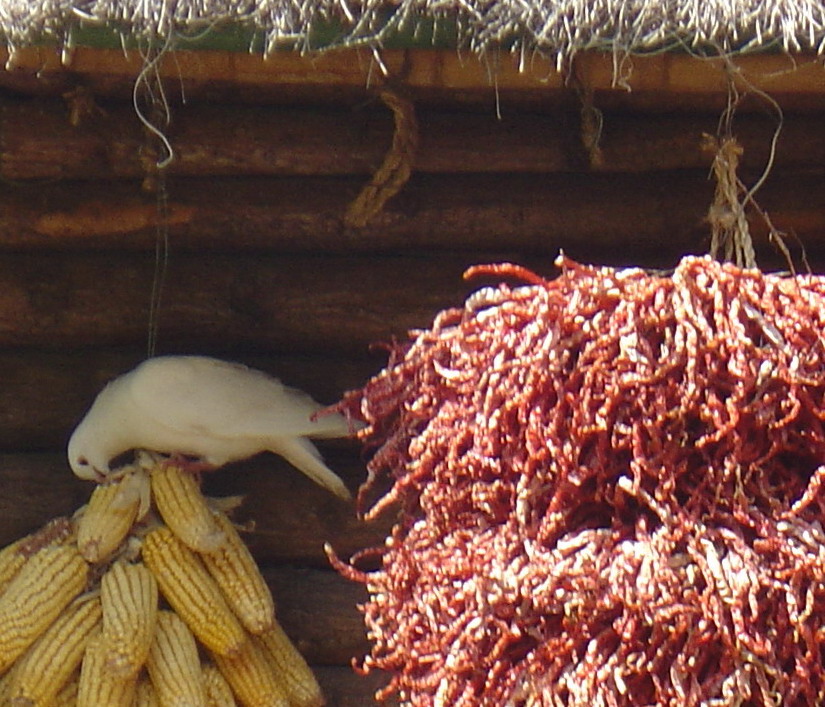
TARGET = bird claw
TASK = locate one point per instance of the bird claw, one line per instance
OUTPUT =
(146, 459)
(191, 465)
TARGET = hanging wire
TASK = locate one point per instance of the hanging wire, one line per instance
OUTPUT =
(161, 264)
(158, 155)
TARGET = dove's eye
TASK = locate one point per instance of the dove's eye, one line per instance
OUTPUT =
(83, 461)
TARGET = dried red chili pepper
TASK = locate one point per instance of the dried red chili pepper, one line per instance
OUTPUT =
(610, 493)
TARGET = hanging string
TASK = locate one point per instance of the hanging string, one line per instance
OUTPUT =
(161, 264)
(592, 119)
(396, 168)
(152, 109)
(730, 234)
(731, 238)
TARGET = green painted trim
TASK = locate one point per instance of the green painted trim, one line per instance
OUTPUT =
(390, 28)
(411, 33)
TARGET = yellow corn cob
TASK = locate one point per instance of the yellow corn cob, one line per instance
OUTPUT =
(292, 671)
(36, 596)
(129, 594)
(191, 592)
(6, 683)
(109, 516)
(100, 686)
(174, 666)
(14, 556)
(67, 697)
(236, 573)
(11, 560)
(52, 660)
(252, 677)
(146, 696)
(183, 507)
(218, 692)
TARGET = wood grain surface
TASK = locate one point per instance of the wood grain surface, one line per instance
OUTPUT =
(38, 141)
(657, 81)
(592, 216)
(284, 303)
(262, 269)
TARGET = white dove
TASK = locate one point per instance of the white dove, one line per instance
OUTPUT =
(206, 408)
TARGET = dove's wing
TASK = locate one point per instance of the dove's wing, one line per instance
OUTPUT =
(195, 395)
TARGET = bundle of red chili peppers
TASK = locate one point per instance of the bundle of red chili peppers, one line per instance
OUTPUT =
(609, 486)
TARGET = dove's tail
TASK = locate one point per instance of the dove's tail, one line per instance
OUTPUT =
(301, 453)
(330, 425)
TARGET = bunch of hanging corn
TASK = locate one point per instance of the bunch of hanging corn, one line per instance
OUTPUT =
(133, 603)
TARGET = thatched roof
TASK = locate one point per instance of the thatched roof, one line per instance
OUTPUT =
(555, 27)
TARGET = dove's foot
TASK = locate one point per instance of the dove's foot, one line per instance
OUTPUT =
(190, 465)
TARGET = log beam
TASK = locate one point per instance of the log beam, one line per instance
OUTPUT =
(36, 488)
(288, 304)
(658, 79)
(318, 610)
(37, 141)
(589, 215)
(343, 687)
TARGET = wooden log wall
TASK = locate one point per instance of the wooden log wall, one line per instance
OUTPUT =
(261, 267)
